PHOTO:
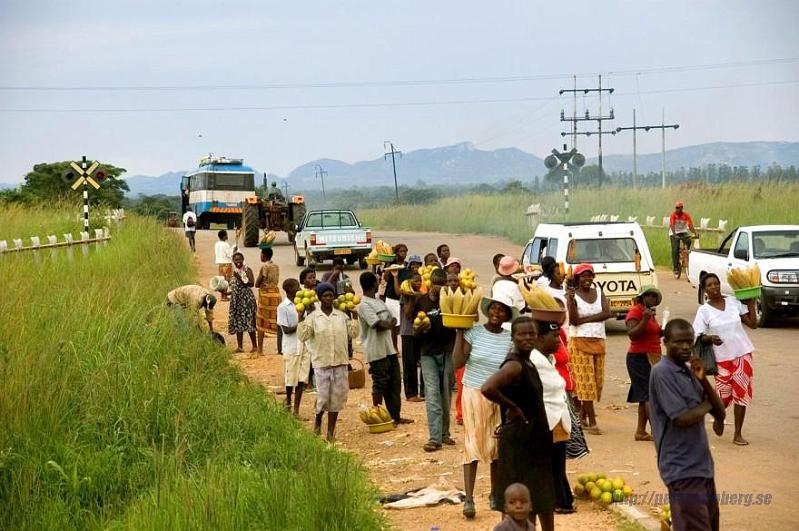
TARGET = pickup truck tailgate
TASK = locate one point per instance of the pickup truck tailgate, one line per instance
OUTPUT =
(337, 238)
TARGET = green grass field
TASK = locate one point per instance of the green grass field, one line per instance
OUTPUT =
(503, 215)
(118, 413)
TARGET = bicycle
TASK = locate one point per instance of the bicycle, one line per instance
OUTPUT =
(684, 253)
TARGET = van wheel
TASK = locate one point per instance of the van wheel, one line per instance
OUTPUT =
(764, 313)
(362, 263)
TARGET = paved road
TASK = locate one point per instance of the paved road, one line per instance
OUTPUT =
(769, 467)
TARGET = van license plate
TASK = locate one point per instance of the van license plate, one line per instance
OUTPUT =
(621, 303)
(342, 251)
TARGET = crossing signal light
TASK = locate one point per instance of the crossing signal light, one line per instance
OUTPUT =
(68, 176)
(99, 176)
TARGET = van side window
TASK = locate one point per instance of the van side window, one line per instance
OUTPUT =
(552, 248)
(533, 253)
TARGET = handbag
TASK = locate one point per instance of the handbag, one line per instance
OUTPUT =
(707, 355)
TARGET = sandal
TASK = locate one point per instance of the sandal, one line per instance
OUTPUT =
(449, 441)
(468, 509)
(431, 446)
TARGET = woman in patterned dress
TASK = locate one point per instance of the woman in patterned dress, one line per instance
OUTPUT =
(268, 298)
(241, 316)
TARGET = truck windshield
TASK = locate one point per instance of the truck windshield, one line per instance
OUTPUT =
(775, 243)
(331, 219)
(605, 250)
(233, 181)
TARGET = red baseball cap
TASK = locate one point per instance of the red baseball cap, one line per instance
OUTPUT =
(582, 268)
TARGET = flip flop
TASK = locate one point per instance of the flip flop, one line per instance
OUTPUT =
(740, 443)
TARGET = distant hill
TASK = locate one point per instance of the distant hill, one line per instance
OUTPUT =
(464, 164)
(748, 154)
(457, 164)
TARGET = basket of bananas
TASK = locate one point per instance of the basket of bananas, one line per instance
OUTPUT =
(376, 418)
(459, 306)
(268, 239)
(745, 282)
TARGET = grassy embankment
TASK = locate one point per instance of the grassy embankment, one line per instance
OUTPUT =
(116, 413)
(503, 215)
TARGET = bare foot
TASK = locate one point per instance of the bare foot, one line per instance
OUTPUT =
(740, 441)
(718, 427)
(593, 430)
(237, 351)
(643, 437)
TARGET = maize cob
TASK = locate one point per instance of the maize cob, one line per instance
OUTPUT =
(754, 273)
(385, 416)
(535, 297)
(457, 302)
(476, 295)
(445, 300)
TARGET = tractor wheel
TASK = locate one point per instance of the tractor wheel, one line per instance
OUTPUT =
(249, 224)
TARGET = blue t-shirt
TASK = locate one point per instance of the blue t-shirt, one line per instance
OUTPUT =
(683, 452)
(489, 350)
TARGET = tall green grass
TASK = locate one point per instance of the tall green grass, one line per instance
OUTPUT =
(117, 412)
(24, 221)
(503, 215)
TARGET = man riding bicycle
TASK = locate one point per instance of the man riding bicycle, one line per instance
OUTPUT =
(680, 228)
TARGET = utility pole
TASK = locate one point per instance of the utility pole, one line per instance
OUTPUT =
(648, 128)
(599, 118)
(386, 145)
(319, 172)
(286, 189)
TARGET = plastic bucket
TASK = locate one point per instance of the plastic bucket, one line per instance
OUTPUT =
(450, 320)
(748, 293)
(387, 258)
(382, 427)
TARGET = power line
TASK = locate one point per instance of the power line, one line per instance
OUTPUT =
(374, 105)
(399, 83)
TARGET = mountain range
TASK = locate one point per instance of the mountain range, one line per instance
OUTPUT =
(465, 164)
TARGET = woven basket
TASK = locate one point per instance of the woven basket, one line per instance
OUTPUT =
(357, 377)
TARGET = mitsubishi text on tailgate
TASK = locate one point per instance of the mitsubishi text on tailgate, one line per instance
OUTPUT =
(325, 234)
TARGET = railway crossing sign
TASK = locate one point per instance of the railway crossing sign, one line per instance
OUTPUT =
(564, 164)
(83, 174)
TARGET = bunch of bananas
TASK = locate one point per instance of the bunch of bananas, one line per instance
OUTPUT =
(460, 302)
(383, 247)
(467, 279)
(269, 237)
(743, 278)
(374, 414)
(537, 297)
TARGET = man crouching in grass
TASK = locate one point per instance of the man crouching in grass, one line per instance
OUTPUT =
(680, 396)
(378, 349)
(326, 331)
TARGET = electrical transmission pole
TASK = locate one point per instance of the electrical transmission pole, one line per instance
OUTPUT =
(647, 128)
(286, 189)
(386, 145)
(599, 118)
(319, 172)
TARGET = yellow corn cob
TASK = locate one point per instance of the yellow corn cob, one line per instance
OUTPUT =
(457, 302)
(385, 416)
(445, 300)
(475, 296)
(467, 301)
(535, 297)
(754, 273)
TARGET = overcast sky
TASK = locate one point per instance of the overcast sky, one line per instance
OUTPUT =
(336, 79)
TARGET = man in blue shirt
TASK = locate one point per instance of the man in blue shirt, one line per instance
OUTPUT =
(680, 396)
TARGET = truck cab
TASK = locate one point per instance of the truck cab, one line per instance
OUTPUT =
(775, 250)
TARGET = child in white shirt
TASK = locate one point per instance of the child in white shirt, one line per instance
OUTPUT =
(296, 359)
(224, 258)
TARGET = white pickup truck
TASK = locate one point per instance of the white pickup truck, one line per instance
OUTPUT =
(325, 234)
(774, 248)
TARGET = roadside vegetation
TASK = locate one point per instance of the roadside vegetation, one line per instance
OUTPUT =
(116, 413)
(504, 214)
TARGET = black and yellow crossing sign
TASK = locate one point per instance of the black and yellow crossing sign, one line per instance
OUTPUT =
(84, 175)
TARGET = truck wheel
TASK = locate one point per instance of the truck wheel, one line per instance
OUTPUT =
(764, 313)
(299, 260)
(249, 224)
(362, 263)
(292, 235)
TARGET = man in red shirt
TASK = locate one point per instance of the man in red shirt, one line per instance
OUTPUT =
(680, 228)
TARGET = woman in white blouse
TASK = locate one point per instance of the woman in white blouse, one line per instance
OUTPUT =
(718, 323)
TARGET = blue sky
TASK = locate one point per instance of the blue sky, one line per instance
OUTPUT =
(376, 62)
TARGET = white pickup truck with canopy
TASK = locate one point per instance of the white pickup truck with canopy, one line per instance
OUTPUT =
(617, 250)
